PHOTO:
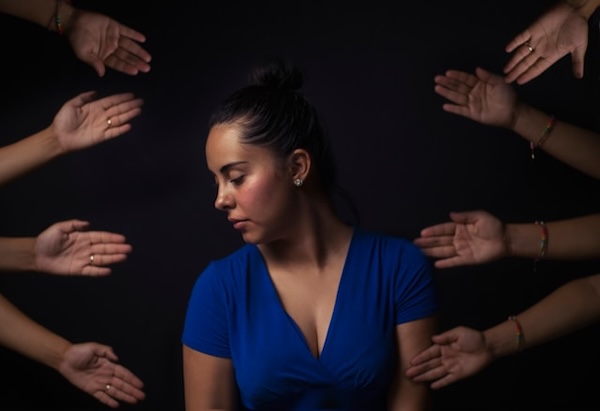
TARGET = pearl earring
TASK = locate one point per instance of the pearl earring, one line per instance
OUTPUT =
(298, 182)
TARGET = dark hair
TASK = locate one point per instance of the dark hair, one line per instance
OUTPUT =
(272, 112)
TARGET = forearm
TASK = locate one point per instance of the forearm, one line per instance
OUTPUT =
(569, 239)
(17, 254)
(27, 154)
(573, 145)
(569, 308)
(23, 335)
(585, 8)
(40, 12)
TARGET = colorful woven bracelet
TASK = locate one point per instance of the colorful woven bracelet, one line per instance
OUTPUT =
(544, 137)
(57, 21)
(520, 335)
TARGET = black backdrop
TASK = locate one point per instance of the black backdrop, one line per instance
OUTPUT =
(405, 162)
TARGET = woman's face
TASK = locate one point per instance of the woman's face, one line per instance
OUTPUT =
(254, 188)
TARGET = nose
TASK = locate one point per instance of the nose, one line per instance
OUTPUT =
(224, 200)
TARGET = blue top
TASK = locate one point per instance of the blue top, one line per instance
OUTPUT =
(234, 312)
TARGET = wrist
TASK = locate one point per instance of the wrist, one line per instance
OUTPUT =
(508, 239)
(517, 116)
(52, 142)
(584, 8)
(62, 18)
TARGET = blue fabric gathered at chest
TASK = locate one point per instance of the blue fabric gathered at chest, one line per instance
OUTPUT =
(274, 367)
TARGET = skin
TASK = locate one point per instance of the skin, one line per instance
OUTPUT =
(81, 122)
(304, 245)
(484, 97)
(91, 367)
(478, 237)
(561, 30)
(462, 352)
(95, 38)
(65, 248)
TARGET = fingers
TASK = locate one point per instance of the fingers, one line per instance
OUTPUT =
(518, 40)
(128, 377)
(70, 226)
(123, 386)
(444, 229)
(116, 390)
(105, 249)
(129, 58)
(119, 109)
(526, 64)
(426, 355)
(456, 86)
(132, 34)
(82, 98)
(134, 52)
(464, 217)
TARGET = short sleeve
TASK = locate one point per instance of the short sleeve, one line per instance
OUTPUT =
(206, 327)
(415, 295)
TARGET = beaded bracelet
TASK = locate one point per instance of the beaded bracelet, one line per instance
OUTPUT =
(544, 137)
(543, 243)
(520, 335)
(56, 18)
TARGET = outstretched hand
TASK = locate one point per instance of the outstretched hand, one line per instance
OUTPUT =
(471, 237)
(101, 42)
(65, 248)
(94, 369)
(83, 122)
(556, 33)
(483, 97)
(456, 354)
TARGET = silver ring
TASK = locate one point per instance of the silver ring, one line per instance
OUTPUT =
(108, 387)
(109, 121)
(529, 46)
(92, 263)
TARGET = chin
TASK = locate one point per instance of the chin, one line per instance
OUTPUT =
(250, 239)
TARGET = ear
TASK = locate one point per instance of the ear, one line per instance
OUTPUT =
(300, 163)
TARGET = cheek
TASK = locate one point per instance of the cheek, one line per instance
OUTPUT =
(258, 195)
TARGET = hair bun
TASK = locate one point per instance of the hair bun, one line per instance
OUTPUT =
(281, 74)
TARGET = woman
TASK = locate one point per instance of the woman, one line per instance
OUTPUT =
(312, 313)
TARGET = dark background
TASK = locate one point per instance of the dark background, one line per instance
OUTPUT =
(405, 162)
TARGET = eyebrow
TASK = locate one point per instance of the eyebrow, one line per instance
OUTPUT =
(226, 167)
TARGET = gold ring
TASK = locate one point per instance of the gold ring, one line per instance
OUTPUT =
(530, 47)
(108, 387)
(109, 121)
(91, 259)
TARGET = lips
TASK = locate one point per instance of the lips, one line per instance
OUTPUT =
(238, 224)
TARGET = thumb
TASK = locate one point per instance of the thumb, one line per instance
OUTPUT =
(96, 63)
(577, 61)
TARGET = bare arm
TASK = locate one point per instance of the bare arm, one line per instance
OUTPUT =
(65, 248)
(413, 337)
(96, 39)
(23, 335)
(209, 383)
(80, 123)
(39, 12)
(570, 239)
(569, 308)
(573, 145)
(28, 154)
(462, 352)
(91, 367)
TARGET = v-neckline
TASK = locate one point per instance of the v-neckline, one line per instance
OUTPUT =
(293, 322)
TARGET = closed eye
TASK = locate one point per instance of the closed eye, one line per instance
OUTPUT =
(237, 181)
